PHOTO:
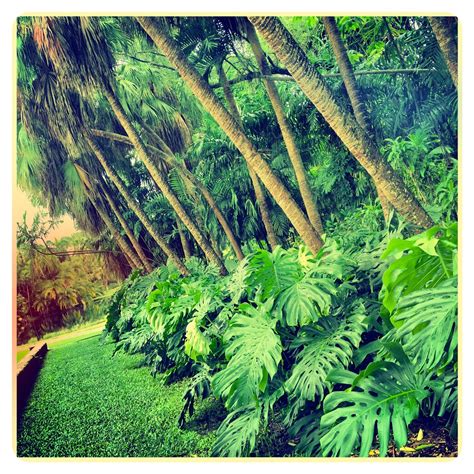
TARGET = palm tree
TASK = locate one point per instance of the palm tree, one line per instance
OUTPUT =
(287, 133)
(202, 90)
(166, 154)
(184, 240)
(121, 242)
(79, 53)
(133, 205)
(354, 93)
(160, 180)
(259, 193)
(346, 127)
(444, 30)
(128, 232)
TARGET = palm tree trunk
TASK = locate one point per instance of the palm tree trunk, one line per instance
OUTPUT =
(231, 127)
(131, 203)
(287, 133)
(184, 240)
(121, 242)
(443, 29)
(168, 156)
(354, 93)
(346, 127)
(161, 181)
(128, 232)
(259, 193)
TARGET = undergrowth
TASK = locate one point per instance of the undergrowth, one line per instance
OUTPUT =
(342, 350)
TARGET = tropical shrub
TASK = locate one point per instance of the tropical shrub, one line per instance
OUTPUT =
(292, 333)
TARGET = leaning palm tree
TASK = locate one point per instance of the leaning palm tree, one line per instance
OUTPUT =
(259, 193)
(57, 115)
(121, 242)
(287, 134)
(133, 204)
(354, 93)
(128, 232)
(163, 152)
(444, 29)
(160, 35)
(79, 53)
(346, 127)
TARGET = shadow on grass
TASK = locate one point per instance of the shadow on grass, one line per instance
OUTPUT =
(207, 418)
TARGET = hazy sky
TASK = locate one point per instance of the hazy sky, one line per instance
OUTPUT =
(21, 203)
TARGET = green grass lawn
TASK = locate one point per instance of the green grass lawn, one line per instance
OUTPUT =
(87, 403)
(63, 336)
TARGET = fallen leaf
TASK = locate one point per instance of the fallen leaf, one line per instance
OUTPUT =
(423, 446)
(419, 436)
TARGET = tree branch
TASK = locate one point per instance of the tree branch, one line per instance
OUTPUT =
(286, 77)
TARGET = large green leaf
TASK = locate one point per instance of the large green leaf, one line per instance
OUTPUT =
(305, 301)
(237, 434)
(423, 261)
(197, 344)
(274, 271)
(425, 323)
(325, 349)
(384, 400)
(254, 352)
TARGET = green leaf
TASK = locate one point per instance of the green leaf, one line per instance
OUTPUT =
(273, 271)
(385, 401)
(423, 261)
(324, 350)
(197, 345)
(305, 301)
(254, 352)
(237, 434)
(425, 323)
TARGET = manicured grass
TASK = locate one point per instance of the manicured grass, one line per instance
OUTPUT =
(63, 336)
(87, 403)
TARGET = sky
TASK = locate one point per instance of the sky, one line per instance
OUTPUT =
(21, 203)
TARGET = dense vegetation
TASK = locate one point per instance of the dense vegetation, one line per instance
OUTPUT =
(287, 209)
(61, 284)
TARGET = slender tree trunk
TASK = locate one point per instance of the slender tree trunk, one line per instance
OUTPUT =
(121, 242)
(132, 204)
(184, 240)
(443, 28)
(201, 89)
(162, 183)
(344, 124)
(287, 133)
(259, 193)
(168, 156)
(354, 93)
(128, 232)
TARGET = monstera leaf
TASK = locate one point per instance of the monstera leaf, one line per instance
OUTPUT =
(425, 323)
(254, 352)
(274, 271)
(423, 261)
(305, 301)
(237, 435)
(325, 349)
(197, 344)
(384, 399)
